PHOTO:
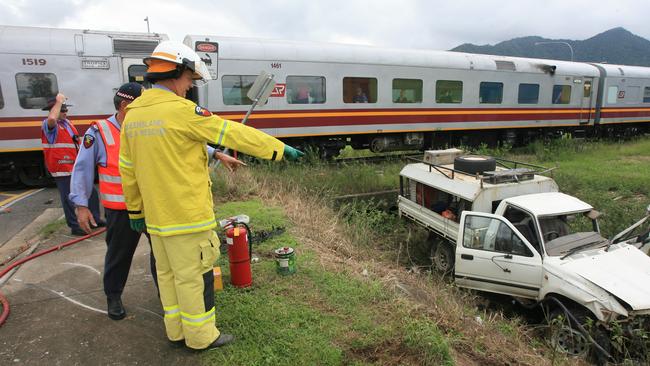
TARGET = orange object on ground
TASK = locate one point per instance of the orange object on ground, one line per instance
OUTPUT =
(218, 283)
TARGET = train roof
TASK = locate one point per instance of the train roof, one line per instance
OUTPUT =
(625, 71)
(83, 42)
(278, 50)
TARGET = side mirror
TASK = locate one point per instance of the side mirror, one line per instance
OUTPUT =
(593, 214)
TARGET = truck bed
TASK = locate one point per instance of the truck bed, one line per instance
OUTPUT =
(430, 220)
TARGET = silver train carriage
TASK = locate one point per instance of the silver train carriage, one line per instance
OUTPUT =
(328, 95)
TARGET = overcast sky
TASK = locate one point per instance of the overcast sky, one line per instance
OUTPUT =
(398, 23)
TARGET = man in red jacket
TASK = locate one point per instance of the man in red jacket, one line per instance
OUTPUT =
(60, 145)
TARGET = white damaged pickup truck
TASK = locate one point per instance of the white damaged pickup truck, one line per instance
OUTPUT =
(502, 227)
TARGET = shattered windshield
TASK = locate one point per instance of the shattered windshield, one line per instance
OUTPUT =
(562, 233)
(567, 243)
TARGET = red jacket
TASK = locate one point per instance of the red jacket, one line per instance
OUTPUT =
(60, 156)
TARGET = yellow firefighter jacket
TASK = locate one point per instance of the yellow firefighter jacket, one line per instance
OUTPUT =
(164, 160)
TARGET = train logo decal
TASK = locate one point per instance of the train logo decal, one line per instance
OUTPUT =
(207, 47)
(279, 90)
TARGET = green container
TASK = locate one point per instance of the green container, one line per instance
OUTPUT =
(285, 259)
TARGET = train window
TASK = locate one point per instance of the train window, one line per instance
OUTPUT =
(359, 90)
(34, 89)
(235, 88)
(561, 94)
(136, 74)
(490, 92)
(612, 94)
(528, 93)
(449, 91)
(646, 94)
(305, 89)
(587, 89)
(2, 101)
(407, 91)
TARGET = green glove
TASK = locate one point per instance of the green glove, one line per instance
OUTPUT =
(137, 225)
(292, 154)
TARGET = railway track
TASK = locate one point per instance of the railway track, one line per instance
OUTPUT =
(375, 159)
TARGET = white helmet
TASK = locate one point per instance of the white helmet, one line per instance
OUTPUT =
(174, 54)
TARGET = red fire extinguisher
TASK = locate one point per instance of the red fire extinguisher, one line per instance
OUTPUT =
(239, 250)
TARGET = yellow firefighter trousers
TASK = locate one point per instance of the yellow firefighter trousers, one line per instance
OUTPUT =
(185, 279)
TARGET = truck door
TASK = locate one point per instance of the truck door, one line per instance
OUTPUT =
(491, 255)
(586, 101)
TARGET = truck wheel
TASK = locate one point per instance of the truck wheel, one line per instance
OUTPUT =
(563, 334)
(472, 164)
(442, 257)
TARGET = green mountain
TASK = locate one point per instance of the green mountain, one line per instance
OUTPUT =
(615, 46)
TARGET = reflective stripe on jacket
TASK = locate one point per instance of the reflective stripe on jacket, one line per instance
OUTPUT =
(164, 162)
(60, 156)
(110, 182)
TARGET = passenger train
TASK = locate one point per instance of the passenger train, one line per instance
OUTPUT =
(327, 95)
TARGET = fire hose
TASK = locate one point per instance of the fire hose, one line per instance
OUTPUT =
(572, 319)
(3, 300)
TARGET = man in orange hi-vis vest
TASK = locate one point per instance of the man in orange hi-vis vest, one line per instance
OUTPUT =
(60, 141)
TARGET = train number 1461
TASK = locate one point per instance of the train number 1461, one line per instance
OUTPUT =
(34, 61)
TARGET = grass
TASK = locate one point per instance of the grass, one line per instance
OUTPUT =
(323, 179)
(51, 228)
(316, 316)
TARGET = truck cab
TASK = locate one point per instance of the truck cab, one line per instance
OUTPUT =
(504, 252)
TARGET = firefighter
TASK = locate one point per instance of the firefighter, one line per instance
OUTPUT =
(164, 168)
(100, 147)
(60, 145)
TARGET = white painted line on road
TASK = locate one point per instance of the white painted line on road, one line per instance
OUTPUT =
(149, 311)
(77, 302)
(82, 265)
(20, 198)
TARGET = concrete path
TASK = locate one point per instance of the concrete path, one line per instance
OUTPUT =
(58, 312)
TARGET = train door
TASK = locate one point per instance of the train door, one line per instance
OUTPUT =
(208, 51)
(133, 69)
(586, 100)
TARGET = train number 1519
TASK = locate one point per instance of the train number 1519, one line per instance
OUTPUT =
(34, 61)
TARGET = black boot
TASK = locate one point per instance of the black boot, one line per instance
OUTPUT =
(223, 340)
(116, 309)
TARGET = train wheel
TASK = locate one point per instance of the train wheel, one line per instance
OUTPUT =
(34, 176)
(377, 145)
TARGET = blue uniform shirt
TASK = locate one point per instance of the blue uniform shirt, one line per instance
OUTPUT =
(83, 173)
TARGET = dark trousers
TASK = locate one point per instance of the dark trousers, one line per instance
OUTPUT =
(63, 185)
(121, 242)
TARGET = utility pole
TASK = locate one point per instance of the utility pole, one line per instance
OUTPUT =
(558, 42)
(147, 20)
